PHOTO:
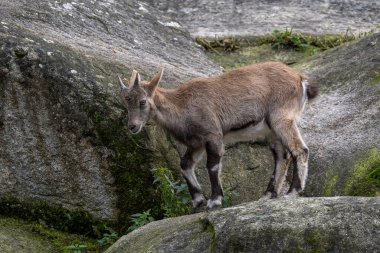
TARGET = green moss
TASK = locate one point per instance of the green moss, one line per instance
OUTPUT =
(130, 160)
(20, 52)
(209, 228)
(365, 178)
(279, 39)
(40, 237)
(318, 241)
(227, 44)
(330, 184)
(254, 54)
(376, 79)
(374, 176)
(53, 216)
(130, 164)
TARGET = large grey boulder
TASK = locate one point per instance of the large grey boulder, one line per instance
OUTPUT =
(62, 136)
(342, 127)
(209, 18)
(341, 224)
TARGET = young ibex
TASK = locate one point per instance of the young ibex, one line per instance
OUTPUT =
(261, 101)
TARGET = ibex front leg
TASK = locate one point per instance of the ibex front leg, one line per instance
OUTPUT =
(214, 151)
(188, 163)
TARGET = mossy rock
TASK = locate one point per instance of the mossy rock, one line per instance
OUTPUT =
(16, 240)
(365, 176)
(341, 126)
(55, 216)
(340, 224)
(25, 237)
(62, 135)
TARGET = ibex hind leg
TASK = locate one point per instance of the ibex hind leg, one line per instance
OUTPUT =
(215, 149)
(188, 163)
(282, 160)
(291, 138)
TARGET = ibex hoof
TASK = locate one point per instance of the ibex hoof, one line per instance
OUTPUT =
(292, 194)
(199, 201)
(213, 204)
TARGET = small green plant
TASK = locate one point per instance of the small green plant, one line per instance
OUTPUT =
(288, 39)
(140, 219)
(77, 248)
(376, 79)
(228, 44)
(308, 43)
(228, 195)
(175, 197)
(108, 239)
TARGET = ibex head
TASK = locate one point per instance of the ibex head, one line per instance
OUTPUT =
(138, 99)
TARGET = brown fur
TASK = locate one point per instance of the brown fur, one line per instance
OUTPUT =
(218, 104)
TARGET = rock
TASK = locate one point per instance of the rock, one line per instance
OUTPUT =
(62, 136)
(16, 238)
(340, 224)
(18, 235)
(252, 18)
(342, 126)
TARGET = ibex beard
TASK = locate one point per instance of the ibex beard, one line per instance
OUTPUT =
(252, 103)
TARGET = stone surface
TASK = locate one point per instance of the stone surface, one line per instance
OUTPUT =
(340, 224)
(343, 124)
(61, 121)
(207, 18)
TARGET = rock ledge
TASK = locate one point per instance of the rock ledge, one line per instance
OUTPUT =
(338, 224)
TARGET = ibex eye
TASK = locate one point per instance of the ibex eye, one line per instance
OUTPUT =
(142, 102)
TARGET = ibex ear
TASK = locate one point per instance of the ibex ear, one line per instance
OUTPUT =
(153, 84)
(135, 79)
